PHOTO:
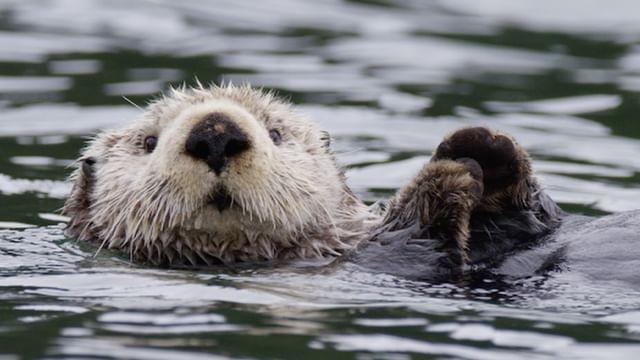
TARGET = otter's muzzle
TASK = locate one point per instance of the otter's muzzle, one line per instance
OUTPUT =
(216, 139)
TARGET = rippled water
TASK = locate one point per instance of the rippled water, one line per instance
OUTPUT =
(388, 79)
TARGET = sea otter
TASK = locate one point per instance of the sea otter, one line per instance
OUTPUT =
(232, 174)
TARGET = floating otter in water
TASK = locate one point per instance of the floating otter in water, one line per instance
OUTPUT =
(232, 174)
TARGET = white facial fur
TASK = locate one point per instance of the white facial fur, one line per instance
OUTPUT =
(288, 200)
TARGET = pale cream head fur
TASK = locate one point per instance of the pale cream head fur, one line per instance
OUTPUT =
(289, 200)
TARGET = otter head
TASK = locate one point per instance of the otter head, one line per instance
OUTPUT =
(221, 173)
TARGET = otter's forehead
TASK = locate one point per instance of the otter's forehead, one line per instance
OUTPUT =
(180, 123)
(263, 106)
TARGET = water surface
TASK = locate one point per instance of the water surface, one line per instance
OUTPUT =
(388, 79)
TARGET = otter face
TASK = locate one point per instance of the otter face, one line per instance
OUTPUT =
(221, 173)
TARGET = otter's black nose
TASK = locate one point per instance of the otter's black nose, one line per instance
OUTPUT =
(215, 140)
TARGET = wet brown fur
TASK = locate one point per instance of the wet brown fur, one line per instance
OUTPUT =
(506, 166)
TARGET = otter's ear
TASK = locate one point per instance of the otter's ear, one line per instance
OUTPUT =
(325, 137)
(78, 203)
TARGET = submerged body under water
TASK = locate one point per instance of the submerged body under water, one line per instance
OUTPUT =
(388, 79)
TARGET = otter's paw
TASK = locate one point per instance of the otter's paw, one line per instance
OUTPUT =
(505, 165)
(439, 202)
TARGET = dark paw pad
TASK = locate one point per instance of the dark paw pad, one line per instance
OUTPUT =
(475, 170)
(497, 155)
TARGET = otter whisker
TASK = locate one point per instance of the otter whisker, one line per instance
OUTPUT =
(132, 103)
(102, 243)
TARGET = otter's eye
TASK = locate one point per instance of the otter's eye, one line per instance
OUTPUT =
(150, 143)
(275, 136)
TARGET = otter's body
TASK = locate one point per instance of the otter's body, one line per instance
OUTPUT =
(605, 248)
(228, 175)
(510, 246)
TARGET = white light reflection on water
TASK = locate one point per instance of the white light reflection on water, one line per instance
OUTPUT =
(388, 80)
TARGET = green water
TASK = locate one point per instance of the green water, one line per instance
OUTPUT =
(388, 79)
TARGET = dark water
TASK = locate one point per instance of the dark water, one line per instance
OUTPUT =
(388, 79)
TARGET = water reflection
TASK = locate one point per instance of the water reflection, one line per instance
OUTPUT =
(388, 79)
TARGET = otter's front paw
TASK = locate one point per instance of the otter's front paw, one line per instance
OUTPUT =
(505, 165)
(437, 204)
